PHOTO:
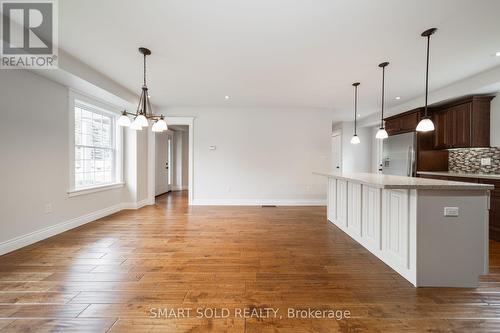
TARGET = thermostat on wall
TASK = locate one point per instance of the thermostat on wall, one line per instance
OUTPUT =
(212, 147)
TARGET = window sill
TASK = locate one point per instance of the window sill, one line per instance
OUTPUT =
(94, 189)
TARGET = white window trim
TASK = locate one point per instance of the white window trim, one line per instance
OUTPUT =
(109, 109)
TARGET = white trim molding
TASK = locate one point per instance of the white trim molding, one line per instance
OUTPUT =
(94, 189)
(259, 202)
(39, 235)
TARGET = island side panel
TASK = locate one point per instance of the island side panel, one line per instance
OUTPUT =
(331, 200)
(452, 251)
(399, 232)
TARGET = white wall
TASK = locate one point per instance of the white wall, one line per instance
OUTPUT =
(495, 121)
(355, 158)
(262, 155)
(34, 145)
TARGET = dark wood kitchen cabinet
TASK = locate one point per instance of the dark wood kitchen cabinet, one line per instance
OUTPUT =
(442, 131)
(463, 124)
(402, 123)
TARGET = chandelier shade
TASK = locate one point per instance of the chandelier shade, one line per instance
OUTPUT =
(144, 111)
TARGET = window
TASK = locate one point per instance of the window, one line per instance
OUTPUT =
(96, 150)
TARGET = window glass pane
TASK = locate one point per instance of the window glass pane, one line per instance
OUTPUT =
(79, 180)
(78, 120)
(86, 122)
(94, 150)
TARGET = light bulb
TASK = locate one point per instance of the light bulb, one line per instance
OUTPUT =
(355, 139)
(157, 127)
(143, 121)
(136, 125)
(162, 124)
(382, 134)
(123, 121)
(425, 125)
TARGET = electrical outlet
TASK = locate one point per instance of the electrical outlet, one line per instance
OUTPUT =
(451, 211)
(486, 161)
(48, 208)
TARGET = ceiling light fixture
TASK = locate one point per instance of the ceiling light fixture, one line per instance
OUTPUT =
(355, 138)
(397, 98)
(226, 97)
(144, 111)
(426, 124)
(382, 133)
(497, 54)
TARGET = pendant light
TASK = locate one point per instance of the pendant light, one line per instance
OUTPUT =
(355, 138)
(144, 111)
(426, 124)
(382, 133)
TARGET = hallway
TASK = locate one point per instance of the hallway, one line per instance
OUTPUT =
(116, 273)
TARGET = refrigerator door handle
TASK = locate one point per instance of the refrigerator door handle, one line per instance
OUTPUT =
(408, 162)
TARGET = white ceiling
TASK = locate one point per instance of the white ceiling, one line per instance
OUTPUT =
(283, 53)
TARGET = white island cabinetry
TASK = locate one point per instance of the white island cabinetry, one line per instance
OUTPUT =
(403, 222)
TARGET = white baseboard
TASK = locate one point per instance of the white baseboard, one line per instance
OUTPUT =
(36, 236)
(179, 188)
(258, 202)
(136, 205)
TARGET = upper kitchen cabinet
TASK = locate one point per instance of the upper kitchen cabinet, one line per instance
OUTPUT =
(402, 123)
(463, 124)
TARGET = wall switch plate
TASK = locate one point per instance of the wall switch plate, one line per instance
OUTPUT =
(451, 211)
(486, 161)
(48, 208)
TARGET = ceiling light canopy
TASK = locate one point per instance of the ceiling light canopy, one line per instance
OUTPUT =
(426, 124)
(382, 133)
(144, 111)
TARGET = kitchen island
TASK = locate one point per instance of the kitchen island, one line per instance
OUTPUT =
(434, 233)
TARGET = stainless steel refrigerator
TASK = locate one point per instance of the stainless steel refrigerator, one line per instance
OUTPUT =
(398, 155)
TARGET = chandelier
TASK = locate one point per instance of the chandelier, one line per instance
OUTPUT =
(144, 112)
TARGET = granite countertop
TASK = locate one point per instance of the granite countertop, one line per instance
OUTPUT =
(460, 174)
(400, 182)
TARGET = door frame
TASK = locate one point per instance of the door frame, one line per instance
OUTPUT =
(189, 121)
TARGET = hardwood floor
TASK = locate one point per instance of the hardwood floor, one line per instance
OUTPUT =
(116, 273)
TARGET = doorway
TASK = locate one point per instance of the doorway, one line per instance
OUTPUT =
(158, 169)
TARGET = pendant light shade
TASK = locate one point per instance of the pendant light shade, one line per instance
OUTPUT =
(141, 119)
(355, 138)
(382, 133)
(124, 121)
(136, 125)
(156, 127)
(426, 124)
(162, 123)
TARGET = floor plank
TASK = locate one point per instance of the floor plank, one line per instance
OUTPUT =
(115, 274)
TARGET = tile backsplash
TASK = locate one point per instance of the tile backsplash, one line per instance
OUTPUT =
(469, 160)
